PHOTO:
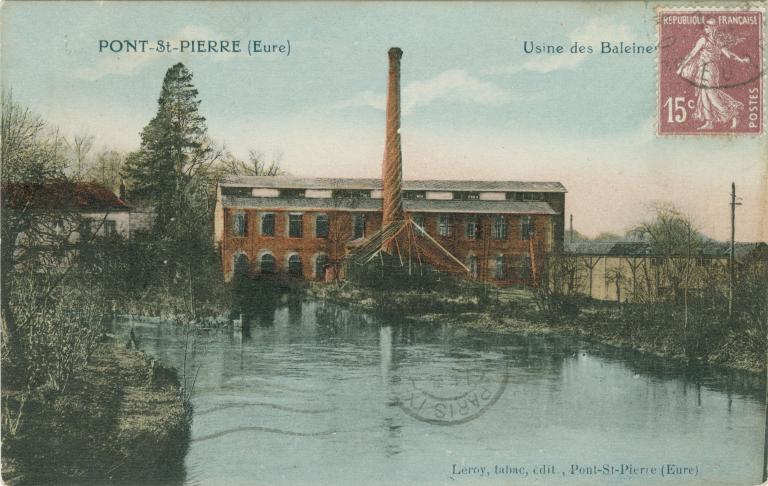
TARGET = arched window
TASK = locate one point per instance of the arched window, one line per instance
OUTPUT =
(320, 262)
(267, 264)
(240, 264)
(294, 266)
(268, 225)
(472, 264)
(321, 226)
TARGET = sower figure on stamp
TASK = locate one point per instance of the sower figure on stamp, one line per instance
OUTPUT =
(701, 67)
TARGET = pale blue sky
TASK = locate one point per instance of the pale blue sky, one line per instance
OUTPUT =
(475, 106)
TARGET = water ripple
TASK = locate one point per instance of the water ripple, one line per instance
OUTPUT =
(264, 404)
(263, 429)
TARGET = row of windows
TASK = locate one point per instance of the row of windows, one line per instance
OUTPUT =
(408, 194)
(499, 227)
(295, 225)
(473, 228)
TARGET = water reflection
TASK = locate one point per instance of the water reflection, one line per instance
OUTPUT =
(307, 396)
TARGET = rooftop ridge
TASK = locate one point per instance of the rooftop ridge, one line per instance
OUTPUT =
(408, 184)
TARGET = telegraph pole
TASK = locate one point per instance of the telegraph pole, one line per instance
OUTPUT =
(571, 228)
(731, 259)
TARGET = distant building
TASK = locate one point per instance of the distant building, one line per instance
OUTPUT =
(626, 270)
(98, 210)
(304, 226)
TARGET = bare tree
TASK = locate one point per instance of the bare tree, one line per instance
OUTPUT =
(674, 241)
(256, 165)
(80, 147)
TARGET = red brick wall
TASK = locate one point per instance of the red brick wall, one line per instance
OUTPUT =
(340, 231)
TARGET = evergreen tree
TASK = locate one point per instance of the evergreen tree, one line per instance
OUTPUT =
(174, 147)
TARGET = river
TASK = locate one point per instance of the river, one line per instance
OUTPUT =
(319, 394)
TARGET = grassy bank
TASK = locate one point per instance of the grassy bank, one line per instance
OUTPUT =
(120, 419)
(517, 310)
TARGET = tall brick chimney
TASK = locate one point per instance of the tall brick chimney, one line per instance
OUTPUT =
(392, 167)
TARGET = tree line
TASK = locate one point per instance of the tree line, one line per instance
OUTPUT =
(58, 284)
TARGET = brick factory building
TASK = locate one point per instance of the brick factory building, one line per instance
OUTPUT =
(494, 231)
(303, 226)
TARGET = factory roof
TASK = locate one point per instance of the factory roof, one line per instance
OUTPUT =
(288, 182)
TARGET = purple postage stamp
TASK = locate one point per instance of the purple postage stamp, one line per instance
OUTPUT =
(710, 71)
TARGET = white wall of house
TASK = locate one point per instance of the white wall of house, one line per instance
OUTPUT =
(122, 220)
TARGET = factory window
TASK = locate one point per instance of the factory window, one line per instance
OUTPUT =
(295, 222)
(414, 194)
(444, 225)
(472, 264)
(358, 226)
(292, 193)
(526, 228)
(418, 219)
(351, 194)
(473, 227)
(240, 264)
(320, 262)
(268, 225)
(321, 226)
(499, 227)
(267, 264)
(532, 196)
(294, 266)
(236, 191)
(501, 268)
(466, 195)
(239, 224)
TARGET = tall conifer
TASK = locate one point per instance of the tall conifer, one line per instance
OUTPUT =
(162, 172)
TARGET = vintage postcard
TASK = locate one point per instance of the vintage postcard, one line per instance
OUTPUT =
(384, 243)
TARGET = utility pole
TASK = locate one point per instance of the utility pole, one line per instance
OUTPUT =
(731, 259)
(571, 228)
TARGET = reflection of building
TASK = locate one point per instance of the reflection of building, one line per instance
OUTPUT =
(630, 271)
(300, 225)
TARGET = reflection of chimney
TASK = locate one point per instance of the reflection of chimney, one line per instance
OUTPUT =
(392, 168)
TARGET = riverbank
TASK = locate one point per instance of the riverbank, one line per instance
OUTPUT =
(120, 419)
(516, 310)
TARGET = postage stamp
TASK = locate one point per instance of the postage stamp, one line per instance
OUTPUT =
(710, 71)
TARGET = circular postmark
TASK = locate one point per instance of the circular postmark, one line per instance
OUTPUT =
(449, 389)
